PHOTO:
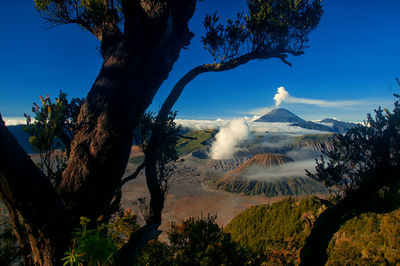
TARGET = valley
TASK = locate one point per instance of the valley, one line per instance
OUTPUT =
(201, 185)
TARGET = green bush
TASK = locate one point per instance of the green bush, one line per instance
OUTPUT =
(90, 246)
(195, 241)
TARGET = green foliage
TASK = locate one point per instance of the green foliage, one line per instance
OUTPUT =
(224, 42)
(42, 5)
(353, 156)
(53, 128)
(370, 239)
(90, 246)
(195, 241)
(273, 27)
(164, 153)
(155, 253)
(122, 227)
(93, 15)
(200, 241)
(275, 233)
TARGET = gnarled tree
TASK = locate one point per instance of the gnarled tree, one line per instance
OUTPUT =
(140, 40)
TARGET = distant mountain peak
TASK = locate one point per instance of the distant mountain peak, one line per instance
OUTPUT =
(280, 115)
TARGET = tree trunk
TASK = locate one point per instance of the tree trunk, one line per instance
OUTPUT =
(38, 216)
(133, 70)
(136, 63)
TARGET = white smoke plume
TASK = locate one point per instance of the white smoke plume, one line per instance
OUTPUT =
(280, 96)
(228, 138)
(283, 95)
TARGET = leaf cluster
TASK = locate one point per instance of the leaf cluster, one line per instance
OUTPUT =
(121, 228)
(90, 246)
(165, 153)
(270, 26)
(194, 241)
(374, 145)
(53, 127)
(97, 16)
(224, 42)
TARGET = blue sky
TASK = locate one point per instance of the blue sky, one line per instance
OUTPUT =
(353, 56)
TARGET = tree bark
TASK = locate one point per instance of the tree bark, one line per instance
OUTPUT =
(136, 62)
(39, 218)
(134, 68)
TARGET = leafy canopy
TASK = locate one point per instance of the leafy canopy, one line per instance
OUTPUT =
(364, 148)
(97, 16)
(269, 27)
(53, 127)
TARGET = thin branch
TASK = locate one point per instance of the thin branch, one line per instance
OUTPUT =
(115, 204)
(132, 176)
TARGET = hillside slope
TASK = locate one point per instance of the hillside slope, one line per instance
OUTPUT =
(277, 232)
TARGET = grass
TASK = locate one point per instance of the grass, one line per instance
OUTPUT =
(198, 140)
(311, 137)
(191, 141)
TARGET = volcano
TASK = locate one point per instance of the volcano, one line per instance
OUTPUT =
(239, 180)
(280, 115)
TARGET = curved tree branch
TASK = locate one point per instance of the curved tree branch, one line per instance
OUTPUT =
(132, 176)
(216, 67)
(115, 204)
(157, 194)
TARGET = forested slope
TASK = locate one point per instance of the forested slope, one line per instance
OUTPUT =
(277, 232)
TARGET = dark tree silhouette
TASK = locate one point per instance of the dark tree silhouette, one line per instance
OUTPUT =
(363, 169)
(140, 40)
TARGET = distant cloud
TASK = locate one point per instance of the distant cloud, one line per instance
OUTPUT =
(317, 109)
(283, 96)
(256, 127)
(12, 121)
(202, 124)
